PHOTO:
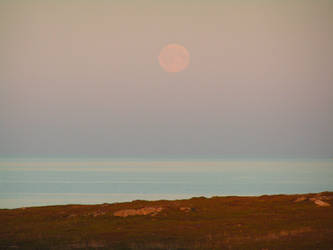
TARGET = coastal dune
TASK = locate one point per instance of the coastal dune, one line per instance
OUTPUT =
(233, 222)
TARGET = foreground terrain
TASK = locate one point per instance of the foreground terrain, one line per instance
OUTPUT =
(265, 222)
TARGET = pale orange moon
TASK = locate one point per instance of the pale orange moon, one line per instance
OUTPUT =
(174, 58)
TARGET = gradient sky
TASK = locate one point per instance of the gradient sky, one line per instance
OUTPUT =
(82, 78)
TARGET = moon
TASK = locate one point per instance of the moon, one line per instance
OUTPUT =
(174, 58)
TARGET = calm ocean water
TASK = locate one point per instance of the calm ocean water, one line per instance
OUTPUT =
(44, 181)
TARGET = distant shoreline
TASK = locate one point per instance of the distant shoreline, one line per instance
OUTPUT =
(180, 199)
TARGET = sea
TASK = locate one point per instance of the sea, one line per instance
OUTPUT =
(26, 182)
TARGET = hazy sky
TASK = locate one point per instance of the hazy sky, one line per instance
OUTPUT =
(83, 78)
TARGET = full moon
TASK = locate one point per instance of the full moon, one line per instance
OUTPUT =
(174, 58)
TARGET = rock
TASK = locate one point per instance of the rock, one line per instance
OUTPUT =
(141, 211)
(321, 203)
(185, 209)
(326, 198)
(299, 199)
(98, 213)
(317, 199)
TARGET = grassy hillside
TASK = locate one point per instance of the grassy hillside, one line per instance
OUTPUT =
(265, 222)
